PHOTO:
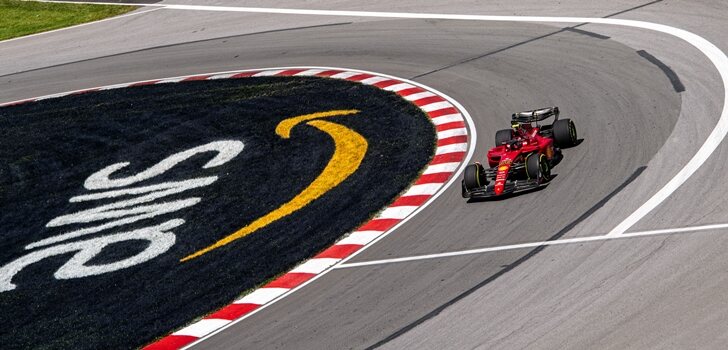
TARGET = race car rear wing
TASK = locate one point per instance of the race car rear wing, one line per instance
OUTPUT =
(535, 115)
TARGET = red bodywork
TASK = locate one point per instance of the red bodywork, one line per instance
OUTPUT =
(528, 141)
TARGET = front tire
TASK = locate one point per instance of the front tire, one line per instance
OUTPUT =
(564, 133)
(537, 167)
(532, 166)
(474, 177)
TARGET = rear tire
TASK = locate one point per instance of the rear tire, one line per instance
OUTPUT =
(474, 177)
(502, 136)
(564, 133)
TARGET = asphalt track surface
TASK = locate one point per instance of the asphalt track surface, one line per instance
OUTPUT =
(638, 131)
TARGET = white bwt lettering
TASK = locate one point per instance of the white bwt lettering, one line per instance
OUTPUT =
(120, 213)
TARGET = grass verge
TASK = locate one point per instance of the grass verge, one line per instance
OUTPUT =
(19, 18)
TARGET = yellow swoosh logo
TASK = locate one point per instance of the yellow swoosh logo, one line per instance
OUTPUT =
(348, 155)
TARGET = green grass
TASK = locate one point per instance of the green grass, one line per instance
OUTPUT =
(18, 18)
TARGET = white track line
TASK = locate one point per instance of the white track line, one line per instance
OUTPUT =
(80, 25)
(713, 53)
(534, 245)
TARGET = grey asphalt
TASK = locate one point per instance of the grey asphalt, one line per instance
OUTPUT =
(659, 292)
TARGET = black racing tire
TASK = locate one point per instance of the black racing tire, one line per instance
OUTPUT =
(474, 177)
(502, 136)
(564, 133)
(544, 168)
(533, 166)
(538, 167)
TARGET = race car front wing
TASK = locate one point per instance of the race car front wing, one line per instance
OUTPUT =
(511, 186)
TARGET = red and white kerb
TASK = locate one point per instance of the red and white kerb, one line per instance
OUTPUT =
(452, 147)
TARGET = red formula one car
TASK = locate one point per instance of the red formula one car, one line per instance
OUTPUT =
(523, 155)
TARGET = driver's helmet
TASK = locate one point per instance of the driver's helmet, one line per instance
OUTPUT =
(515, 125)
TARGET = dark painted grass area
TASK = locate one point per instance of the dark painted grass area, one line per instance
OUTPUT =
(48, 148)
(18, 18)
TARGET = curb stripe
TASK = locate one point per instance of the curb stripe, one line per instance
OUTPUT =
(401, 86)
(425, 102)
(433, 178)
(143, 83)
(360, 237)
(386, 83)
(243, 75)
(201, 77)
(234, 311)
(290, 72)
(452, 146)
(201, 327)
(261, 296)
(452, 140)
(441, 112)
(416, 200)
(450, 133)
(374, 80)
(379, 224)
(448, 158)
(171, 342)
(441, 168)
(290, 280)
(407, 90)
(315, 265)
(359, 77)
(449, 126)
(340, 251)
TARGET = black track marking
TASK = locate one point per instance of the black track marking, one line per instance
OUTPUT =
(571, 28)
(185, 43)
(677, 85)
(588, 33)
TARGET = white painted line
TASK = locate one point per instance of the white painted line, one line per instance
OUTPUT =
(360, 237)
(456, 147)
(436, 106)
(713, 53)
(400, 212)
(452, 132)
(441, 168)
(398, 87)
(261, 296)
(82, 24)
(448, 118)
(533, 245)
(202, 327)
(315, 266)
(309, 72)
(418, 96)
(373, 80)
(679, 230)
